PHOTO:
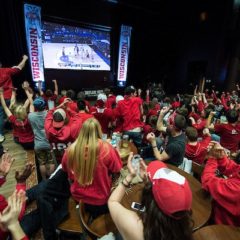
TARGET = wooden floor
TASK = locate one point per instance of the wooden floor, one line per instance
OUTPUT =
(21, 158)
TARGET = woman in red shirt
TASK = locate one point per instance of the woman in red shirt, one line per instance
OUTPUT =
(90, 163)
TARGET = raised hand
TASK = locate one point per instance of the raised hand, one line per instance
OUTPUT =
(21, 177)
(10, 214)
(25, 57)
(6, 163)
(151, 137)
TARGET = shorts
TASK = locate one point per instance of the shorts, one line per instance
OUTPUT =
(45, 156)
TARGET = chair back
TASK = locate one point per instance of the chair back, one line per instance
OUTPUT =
(197, 170)
(97, 227)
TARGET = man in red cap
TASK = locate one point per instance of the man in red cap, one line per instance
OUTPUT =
(62, 128)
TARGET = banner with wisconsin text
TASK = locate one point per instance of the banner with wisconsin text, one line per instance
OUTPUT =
(32, 15)
(124, 47)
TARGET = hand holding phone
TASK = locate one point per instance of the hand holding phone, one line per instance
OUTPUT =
(138, 207)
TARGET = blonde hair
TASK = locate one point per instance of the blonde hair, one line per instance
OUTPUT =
(83, 153)
(20, 112)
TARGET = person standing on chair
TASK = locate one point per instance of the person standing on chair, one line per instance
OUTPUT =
(7, 85)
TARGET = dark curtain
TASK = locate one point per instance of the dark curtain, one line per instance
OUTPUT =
(12, 40)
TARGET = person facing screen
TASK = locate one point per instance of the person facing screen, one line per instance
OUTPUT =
(162, 215)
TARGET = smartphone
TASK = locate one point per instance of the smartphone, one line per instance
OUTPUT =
(138, 206)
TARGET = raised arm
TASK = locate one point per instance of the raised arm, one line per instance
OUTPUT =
(29, 96)
(160, 126)
(40, 88)
(132, 228)
(22, 64)
(55, 87)
(5, 107)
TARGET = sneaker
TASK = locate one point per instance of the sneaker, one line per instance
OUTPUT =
(2, 138)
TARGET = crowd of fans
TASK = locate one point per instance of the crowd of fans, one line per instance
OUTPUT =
(66, 134)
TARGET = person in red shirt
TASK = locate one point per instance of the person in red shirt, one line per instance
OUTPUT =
(102, 114)
(130, 110)
(49, 96)
(90, 163)
(196, 150)
(22, 129)
(111, 98)
(7, 86)
(229, 132)
(82, 111)
(224, 191)
(61, 128)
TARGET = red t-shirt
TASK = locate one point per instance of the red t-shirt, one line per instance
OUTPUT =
(129, 110)
(22, 130)
(104, 116)
(84, 116)
(6, 80)
(111, 101)
(197, 153)
(230, 135)
(200, 125)
(98, 192)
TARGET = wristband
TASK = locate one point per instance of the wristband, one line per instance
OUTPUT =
(154, 146)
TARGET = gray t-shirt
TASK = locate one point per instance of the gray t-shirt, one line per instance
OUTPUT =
(36, 120)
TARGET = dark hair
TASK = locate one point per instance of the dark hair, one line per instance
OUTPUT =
(130, 90)
(70, 94)
(81, 95)
(81, 104)
(232, 116)
(192, 134)
(158, 225)
(180, 122)
(48, 93)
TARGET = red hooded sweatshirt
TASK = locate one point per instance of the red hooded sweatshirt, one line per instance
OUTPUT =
(197, 153)
(225, 192)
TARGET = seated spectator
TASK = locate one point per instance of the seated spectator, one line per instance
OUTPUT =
(81, 96)
(229, 132)
(224, 191)
(173, 151)
(164, 215)
(90, 163)
(196, 150)
(49, 96)
(82, 111)
(102, 114)
(62, 128)
(22, 130)
(111, 98)
(52, 198)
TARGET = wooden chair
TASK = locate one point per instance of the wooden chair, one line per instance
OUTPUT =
(71, 225)
(97, 228)
(197, 170)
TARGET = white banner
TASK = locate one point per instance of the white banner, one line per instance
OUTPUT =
(124, 47)
(32, 15)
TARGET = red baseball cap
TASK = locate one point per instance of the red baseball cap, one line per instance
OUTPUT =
(171, 190)
(59, 116)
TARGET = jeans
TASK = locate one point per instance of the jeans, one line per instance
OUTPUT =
(3, 116)
(135, 136)
(215, 137)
